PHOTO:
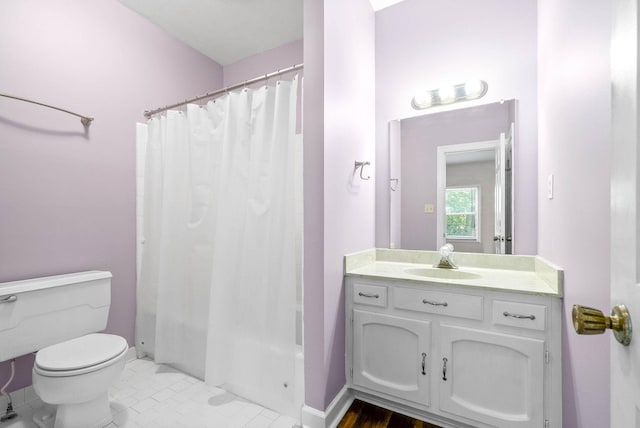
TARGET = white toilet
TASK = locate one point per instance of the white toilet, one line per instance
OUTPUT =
(59, 316)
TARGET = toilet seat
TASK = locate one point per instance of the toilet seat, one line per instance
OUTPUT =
(80, 355)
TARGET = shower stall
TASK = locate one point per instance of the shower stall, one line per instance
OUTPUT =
(219, 220)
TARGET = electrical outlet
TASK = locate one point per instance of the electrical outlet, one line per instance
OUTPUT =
(550, 186)
(429, 208)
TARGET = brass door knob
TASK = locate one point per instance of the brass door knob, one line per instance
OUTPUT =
(592, 321)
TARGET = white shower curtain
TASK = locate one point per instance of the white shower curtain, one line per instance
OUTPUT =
(217, 286)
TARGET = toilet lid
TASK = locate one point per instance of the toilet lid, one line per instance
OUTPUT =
(81, 352)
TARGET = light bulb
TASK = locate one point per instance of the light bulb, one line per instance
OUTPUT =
(474, 89)
(423, 99)
(447, 94)
(470, 90)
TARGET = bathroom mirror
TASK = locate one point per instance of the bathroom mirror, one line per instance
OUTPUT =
(454, 183)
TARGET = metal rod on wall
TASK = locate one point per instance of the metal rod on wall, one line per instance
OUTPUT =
(149, 113)
(86, 121)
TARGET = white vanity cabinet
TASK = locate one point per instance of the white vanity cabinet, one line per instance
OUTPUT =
(494, 378)
(390, 355)
(454, 355)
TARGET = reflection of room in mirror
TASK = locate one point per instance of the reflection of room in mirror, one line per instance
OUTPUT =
(414, 144)
(470, 200)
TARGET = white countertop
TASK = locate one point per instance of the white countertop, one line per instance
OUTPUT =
(521, 274)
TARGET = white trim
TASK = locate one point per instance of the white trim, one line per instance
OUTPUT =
(131, 354)
(339, 406)
(311, 418)
(331, 417)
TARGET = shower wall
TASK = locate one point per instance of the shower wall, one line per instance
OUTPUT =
(68, 198)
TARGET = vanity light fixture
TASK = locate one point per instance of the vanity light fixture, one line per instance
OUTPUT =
(471, 90)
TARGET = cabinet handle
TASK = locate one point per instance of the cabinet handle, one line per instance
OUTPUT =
(424, 358)
(444, 369)
(520, 317)
(432, 303)
(372, 296)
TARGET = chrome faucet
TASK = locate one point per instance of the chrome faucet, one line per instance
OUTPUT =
(445, 258)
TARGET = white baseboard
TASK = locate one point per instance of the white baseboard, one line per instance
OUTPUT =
(131, 355)
(313, 418)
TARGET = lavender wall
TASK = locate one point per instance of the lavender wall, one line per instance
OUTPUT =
(421, 137)
(315, 376)
(339, 207)
(349, 129)
(489, 39)
(68, 199)
(265, 62)
(574, 146)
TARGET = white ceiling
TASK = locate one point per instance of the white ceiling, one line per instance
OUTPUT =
(230, 30)
(226, 30)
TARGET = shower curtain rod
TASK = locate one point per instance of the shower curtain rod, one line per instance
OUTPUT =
(149, 113)
(86, 121)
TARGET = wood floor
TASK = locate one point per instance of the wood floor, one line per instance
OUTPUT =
(365, 415)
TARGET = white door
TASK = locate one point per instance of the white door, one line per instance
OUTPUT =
(508, 194)
(625, 211)
(500, 189)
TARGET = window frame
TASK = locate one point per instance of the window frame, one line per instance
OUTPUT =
(478, 214)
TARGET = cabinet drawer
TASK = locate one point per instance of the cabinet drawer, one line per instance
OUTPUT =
(517, 314)
(373, 295)
(455, 305)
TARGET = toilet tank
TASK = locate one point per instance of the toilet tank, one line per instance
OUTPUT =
(36, 313)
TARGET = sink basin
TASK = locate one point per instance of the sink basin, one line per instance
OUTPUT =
(441, 273)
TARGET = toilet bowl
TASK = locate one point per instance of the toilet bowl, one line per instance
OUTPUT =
(73, 378)
(59, 317)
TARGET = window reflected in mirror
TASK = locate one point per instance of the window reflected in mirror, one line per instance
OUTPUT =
(462, 215)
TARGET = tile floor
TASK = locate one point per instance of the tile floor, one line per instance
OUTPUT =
(150, 395)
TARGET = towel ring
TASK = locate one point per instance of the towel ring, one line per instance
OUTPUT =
(361, 165)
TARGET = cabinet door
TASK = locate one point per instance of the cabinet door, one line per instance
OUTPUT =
(492, 378)
(391, 356)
